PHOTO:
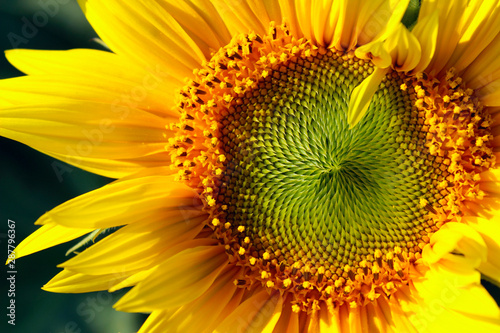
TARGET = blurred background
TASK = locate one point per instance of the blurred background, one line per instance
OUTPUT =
(30, 186)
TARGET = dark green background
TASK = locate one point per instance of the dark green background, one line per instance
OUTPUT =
(30, 187)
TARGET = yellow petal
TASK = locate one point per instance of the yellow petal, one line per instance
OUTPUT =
(71, 130)
(376, 52)
(155, 37)
(362, 95)
(288, 320)
(484, 71)
(404, 48)
(253, 315)
(206, 308)
(47, 236)
(155, 322)
(289, 13)
(177, 281)
(444, 302)
(479, 33)
(122, 202)
(72, 282)
(138, 245)
(117, 168)
(362, 22)
(87, 75)
(201, 22)
(316, 19)
(488, 229)
(457, 238)
(426, 32)
(452, 17)
(248, 16)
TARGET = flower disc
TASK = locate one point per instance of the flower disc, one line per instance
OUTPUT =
(307, 204)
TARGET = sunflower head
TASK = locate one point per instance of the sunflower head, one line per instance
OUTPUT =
(317, 164)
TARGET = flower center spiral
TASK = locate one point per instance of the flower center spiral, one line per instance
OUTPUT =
(306, 204)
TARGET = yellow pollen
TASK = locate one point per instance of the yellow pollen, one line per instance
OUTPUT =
(210, 200)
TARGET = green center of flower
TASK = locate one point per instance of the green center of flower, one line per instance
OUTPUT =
(303, 183)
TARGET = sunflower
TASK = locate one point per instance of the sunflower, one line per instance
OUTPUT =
(308, 166)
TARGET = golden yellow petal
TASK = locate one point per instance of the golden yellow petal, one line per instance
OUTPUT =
(201, 22)
(155, 37)
(117, 168)
(376, 52)
(289, 13)
(485, 69)
(88, 75)
(47, 236)
(404, 48)
(72, 282)
(248, 16)
(177, 281)
(155, 322)
(488, 229)
(376, 17)
(288, 321)
(69, 129)
(443, 300)
(138, 245)
(207, 308)
(362, 95)
(253, 315)
(452, 17)
(122, 202)
(426, 32)
(480, 31)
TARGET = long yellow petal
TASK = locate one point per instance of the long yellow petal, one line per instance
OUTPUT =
(88, 75)
(488, 229)
(47, 236)
(206, 308)
(71, 130)
(426, 32)
(362, 95)
(479, 33)
(155, 38)
(452, 18)
(247, 16)
(124, 201)
(253, 315)
(177, 281)
(138, 245)
(201, 22)
(72, 282)
(404, 48)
